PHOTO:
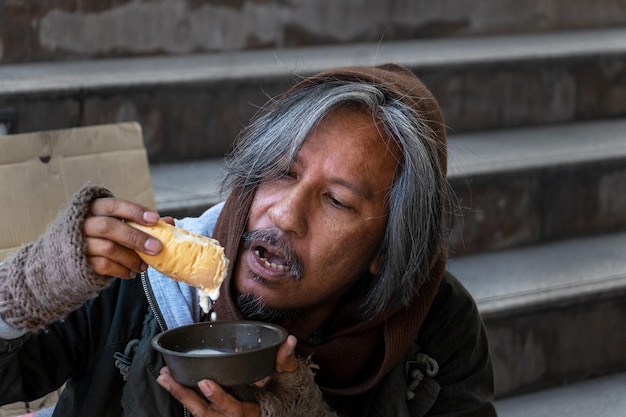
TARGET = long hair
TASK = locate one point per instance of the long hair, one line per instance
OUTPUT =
(416, 226)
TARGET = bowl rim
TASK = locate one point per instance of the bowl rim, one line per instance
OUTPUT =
(157, 346)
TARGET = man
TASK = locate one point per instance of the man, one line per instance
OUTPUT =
(335, 227)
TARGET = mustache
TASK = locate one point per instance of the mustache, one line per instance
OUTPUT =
(277, 242)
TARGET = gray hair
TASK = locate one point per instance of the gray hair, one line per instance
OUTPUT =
(416, 225)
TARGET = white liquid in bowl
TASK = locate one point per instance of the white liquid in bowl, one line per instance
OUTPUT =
(206, 351)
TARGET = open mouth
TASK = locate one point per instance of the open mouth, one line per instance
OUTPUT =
(273, 251)
(272, 259)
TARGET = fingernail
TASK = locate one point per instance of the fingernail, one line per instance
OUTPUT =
(150, 216)
(163, 383)
(152, 245)
(205, 387)
(292, 345)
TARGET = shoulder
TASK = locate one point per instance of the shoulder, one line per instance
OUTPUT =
(205, 223)
(453, 326)
(454, 336)
(453, 299)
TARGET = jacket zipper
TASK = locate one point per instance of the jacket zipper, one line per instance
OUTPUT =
(155, 311)
(151, 302)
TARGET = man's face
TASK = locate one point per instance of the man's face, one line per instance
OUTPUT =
(329, 210)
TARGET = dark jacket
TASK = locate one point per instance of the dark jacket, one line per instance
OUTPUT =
(85, 347)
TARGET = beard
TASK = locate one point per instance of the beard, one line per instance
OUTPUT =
(252, 308)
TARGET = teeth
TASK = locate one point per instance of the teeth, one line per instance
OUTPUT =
(271, 264)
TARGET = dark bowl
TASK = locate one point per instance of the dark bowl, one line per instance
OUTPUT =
(239, 352)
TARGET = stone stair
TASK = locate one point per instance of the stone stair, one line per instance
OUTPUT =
(531, 185)
(554, 312)
(537, 157)
(602, 396)
(193, 106)
(65, 31)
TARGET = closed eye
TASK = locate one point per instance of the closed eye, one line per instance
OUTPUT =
(337, 203)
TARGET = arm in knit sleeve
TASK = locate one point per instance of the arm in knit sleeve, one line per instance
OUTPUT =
(294, 394)
(47, 279)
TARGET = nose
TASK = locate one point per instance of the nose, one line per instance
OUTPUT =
(289, 211)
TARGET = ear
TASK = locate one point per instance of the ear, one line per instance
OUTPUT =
(377, 265)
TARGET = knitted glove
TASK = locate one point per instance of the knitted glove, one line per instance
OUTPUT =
(294, 394)
(47, 279)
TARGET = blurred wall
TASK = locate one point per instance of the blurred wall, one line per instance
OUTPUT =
(49, 30)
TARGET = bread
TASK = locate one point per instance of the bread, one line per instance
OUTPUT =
(188, 257)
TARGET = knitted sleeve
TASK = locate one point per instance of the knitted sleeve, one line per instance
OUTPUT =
(294, 394)
(47, 279)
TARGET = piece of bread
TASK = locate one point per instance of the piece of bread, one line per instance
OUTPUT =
(188, 257)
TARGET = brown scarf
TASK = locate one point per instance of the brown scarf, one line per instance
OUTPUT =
(352, 358)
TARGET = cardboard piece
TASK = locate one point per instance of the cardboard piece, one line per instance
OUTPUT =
(39, 173)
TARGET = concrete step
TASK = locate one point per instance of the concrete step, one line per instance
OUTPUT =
(596, 397)
(554, 313)
(61, 31)
(183, 189)
(191, 107)
(517, 187)
(531, 185)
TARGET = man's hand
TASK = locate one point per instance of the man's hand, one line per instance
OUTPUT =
(111, 244)
(216, 401)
